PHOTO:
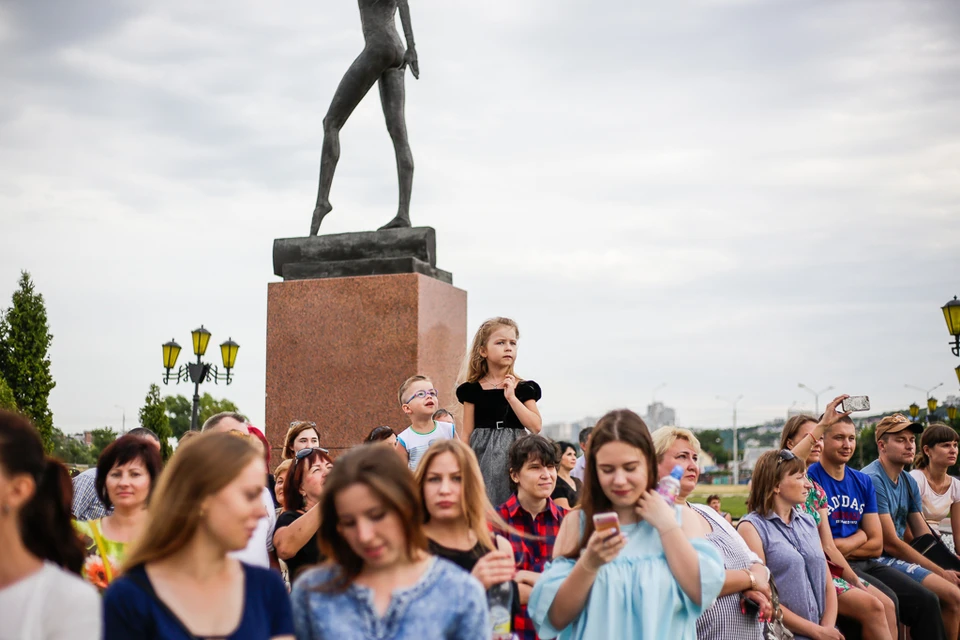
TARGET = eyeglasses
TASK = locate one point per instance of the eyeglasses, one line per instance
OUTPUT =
(422, 394)
(785, 454)
(297, 423)
(303, 453)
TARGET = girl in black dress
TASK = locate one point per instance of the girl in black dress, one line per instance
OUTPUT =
(498, 406)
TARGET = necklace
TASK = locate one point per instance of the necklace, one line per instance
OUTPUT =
(939, 490)
(496, 385)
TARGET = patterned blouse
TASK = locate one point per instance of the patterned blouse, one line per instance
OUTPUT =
(104, 556)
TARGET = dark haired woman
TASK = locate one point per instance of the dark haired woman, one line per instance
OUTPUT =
(126, 472)
(381, 582)
(647, 579)
(41, 597)
(788, 541)
(939, 493)
(568, 488)
(295, 536)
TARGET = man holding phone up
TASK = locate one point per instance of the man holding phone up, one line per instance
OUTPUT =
(856, 528)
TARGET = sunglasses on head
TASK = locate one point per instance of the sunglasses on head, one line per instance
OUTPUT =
(305, 453)
(785, 454)
(422, 394)
(297, 423)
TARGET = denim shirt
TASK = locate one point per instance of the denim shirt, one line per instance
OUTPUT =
(447, 603)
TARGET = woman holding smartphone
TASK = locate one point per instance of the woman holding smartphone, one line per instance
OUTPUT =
(647, 576)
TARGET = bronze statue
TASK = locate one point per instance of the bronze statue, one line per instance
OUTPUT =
(383, 60)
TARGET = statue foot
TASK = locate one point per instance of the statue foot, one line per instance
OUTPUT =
(399, 222)
(318, 214)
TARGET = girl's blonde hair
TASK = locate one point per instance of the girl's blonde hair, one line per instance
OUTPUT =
(202, 467)
(474, 504)
(474, 364)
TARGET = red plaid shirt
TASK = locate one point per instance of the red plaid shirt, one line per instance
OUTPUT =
(530, 554)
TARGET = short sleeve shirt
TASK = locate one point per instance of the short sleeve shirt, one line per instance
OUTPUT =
(899, 499)
(847, 500)
(417, 443)
(936, 506)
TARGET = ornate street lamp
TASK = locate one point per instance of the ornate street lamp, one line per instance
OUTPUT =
(951, 313)
(931, 408)
(914, 410)
(199, 371)
(951, 413)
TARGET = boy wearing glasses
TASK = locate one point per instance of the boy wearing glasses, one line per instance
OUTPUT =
(418, 399)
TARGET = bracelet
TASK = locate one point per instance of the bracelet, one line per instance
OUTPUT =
(673, 528)
(753, 581)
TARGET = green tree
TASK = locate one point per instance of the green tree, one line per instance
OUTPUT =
(24, 356)
(101, 438)
(71, 450)
(7, 401)
(153, 416)
(711, 441)
(866, 447)
(180, 409)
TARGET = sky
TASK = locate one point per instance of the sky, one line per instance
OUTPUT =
(730, 197)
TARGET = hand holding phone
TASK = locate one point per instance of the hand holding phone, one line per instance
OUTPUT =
(856, 403)
(606, 524)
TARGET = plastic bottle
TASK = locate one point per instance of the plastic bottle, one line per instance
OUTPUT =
(499, 600)
(669, 487)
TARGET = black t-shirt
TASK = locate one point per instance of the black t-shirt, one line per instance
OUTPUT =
(564, 490)
(309, 553)
(490, 407)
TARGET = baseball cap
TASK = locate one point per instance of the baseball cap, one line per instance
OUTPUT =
(895, 424)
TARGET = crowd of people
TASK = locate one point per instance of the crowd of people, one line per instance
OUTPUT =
(478, 527)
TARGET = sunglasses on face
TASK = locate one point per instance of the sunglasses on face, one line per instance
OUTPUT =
(422, 394)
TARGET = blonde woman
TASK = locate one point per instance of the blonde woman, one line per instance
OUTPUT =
(207, 504)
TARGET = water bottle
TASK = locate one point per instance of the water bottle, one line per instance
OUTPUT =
(669, 486)
(499, 600)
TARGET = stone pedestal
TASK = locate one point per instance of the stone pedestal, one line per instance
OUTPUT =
(339, 347)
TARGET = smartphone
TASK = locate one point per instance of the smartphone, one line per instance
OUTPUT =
(856, 403)
(749, 607)
(606, 522)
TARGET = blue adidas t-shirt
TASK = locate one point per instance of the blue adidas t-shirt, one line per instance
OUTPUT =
(898, 500)
(847, 499)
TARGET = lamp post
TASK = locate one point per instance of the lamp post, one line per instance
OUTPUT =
(951, 314)
(123, 419)
(951, 412)
(736, 459)
(199, 371)
(931, 407)
(816, 396)
(914, 410)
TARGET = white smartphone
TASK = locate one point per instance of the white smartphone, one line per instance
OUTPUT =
(856, 403)
(604, 522)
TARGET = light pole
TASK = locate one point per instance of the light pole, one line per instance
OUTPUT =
(199, 371)
(951, 314)
(816, 396)
(736, 459)
(931, 402)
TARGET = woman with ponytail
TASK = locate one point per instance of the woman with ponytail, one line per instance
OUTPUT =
(939, 492)
(41, 593)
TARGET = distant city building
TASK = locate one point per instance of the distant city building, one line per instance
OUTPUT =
(85, 438)
(751, 455)
(660, 415)
(568, 431)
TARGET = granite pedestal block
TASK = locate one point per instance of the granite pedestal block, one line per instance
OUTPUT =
(339, 347)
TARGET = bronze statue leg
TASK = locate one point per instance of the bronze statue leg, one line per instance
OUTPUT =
(356, 82)
(392, 98)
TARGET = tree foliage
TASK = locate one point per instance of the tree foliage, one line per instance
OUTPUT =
(180, 409)
(70, 450)
(153, 416)
(24, 356)
(711, 441)
(7, 401)
(100, 439)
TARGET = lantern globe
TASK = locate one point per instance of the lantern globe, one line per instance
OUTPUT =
(931, 404)
(171, 351)
(229, 350)
(951, 314)
(952, 413)
(958, 373)
(201, 338)
(914, 410)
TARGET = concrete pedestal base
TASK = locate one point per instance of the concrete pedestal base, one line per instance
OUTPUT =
(338, 349)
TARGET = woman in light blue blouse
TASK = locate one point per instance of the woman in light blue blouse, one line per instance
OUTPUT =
(380, 581)
(648, 580)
